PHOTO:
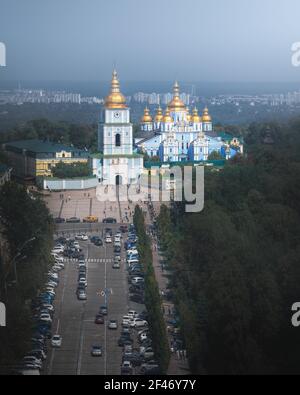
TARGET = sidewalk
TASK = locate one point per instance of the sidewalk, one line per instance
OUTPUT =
(178, 363)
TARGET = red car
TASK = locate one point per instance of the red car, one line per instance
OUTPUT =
(99, 320)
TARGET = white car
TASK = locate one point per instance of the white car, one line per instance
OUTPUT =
(132, 252)
(52, 284)
(108, 240)
(143, 336)
(133, 262)
(57, 250)
(53, 275)
(132, 314)
(32, 360)
(56, 341)
(45, 318)
(138, 323)
(59, 259)
(84, 238)
(126, 320)
(113, 324)
(137, 280)
(60, 264)
(82, 281)
(76, 245)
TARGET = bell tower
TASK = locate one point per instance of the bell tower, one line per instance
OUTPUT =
(115, 135)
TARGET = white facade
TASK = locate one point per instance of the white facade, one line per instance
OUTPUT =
(116, 163)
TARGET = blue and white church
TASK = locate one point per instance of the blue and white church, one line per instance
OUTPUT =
(173, 136)
(178, 136)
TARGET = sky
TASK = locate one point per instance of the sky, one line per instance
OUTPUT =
(150, 40)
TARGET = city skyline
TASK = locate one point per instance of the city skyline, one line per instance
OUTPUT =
(64, 40)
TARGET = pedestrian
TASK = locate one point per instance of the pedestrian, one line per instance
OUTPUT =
(181, 354)
(169, 311)
(184, 354)
(178, 354)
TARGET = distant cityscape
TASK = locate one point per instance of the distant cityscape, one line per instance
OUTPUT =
(40, 96)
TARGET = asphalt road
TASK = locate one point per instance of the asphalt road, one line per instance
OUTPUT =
(74, 320)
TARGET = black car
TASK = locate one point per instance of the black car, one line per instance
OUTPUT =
(59, 220)
(98, 243)
(109, 221)
(134, 358)
(125, 341)
(137, 298)
(117, 250)
(73, 220)
(108, 231)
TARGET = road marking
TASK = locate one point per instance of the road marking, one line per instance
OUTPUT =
(82, 327)
(81, 341)
(58, 321)
(105, 325)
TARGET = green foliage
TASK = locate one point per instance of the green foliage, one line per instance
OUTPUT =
(72, 170)
(236, 264)
(22, 218)
(215, 155)
(152, 296)
(81, 136)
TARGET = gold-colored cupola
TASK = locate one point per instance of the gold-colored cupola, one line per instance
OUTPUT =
(146, 118)
(115, 100)
(159, 115)
(196, 118)
(206, 117)
(176, 104)
(167, 118)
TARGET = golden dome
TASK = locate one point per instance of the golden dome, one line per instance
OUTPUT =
(196, 118)
(146, 118)
(167, 117)
(206, 117)
(115, 99)
(176, 104)
(159, 115)
(188, 115)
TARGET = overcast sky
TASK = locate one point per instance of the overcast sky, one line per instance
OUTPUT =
(189, 40)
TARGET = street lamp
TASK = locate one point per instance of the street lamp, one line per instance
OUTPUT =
(15, 259)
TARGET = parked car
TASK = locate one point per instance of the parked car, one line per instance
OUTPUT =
(73, 220)
(59, 220)
(91, 219)
(109, 221)
(82, 295)
(138, 323)
(149, 366)
(137, 298)
(116, 265)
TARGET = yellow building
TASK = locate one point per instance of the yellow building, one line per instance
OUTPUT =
(35, 158)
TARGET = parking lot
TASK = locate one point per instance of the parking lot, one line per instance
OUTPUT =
(74, 320)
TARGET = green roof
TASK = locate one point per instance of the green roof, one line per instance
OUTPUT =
(40, 146)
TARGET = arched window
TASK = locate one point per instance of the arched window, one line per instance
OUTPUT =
(118, 140)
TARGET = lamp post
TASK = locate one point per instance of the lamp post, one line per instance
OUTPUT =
(15, 259)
